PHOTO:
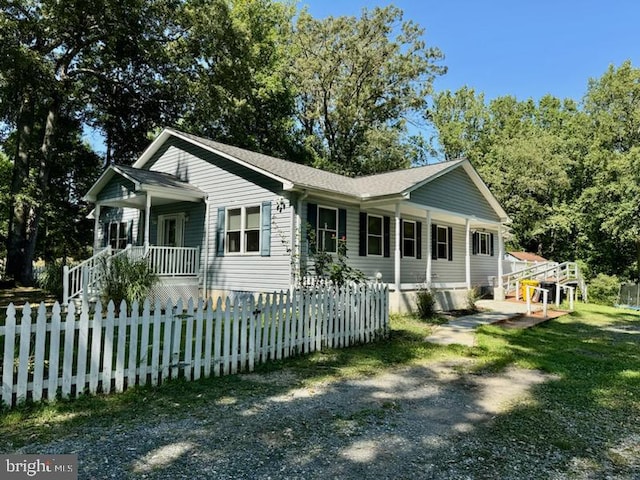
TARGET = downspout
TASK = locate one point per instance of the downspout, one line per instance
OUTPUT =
(205, 267)
(297, 250)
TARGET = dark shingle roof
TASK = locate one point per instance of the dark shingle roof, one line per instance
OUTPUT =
(388, 183)
(157, 179)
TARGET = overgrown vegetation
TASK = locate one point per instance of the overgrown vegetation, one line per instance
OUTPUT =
(337, 270)
(126, 279)
(426, 303)
(604, 289)
(50, 279)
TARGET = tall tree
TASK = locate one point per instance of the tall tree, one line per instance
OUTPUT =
(610, 201)
(238, 86)
(57, 56)
(359, 81)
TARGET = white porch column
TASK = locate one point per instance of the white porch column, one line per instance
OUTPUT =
(427, 279)
(147, 222)
(396, 256)
(467, 256)
(498, 293)
(96, 229)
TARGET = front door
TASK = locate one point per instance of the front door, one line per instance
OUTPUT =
(171, 230)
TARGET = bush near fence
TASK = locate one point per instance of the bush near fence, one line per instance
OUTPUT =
(76, 352)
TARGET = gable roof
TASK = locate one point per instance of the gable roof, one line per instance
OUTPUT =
(297, 176)
(147, 180)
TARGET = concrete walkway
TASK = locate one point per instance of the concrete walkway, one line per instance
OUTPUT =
(461, 331)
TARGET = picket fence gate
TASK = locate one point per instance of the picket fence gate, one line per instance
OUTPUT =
(75, 352)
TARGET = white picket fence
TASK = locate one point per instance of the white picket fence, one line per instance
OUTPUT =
(76, 352)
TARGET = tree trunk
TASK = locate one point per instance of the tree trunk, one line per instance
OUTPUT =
(16, 235)
(37, 208)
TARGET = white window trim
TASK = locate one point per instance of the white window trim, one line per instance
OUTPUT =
(180, 221)
(488, 244)
(243, 229)
(446, 243)
(414, 238)
(381, 236)
(318, 228)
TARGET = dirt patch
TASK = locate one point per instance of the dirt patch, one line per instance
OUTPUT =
(391, 425)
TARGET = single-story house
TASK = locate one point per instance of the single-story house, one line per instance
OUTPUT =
(216, 219)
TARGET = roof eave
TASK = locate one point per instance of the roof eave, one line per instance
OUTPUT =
(105, 177)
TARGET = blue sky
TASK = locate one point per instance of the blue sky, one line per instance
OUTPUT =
(525, 48)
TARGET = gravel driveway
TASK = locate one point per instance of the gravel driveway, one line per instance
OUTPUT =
(399, 424)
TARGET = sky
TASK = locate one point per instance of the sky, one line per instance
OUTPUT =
(524, 48)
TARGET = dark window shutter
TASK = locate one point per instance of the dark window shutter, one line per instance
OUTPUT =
(363, 234)
(418, 240)
(475, 243)
(265, 233)
(450, 242)
(434, 241)
(342, 224)
(387, 236)
(492, 244)
(401, 238)
(312, 222)
(220, 232)
(105, 234)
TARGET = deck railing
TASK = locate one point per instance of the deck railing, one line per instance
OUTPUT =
(559, 273)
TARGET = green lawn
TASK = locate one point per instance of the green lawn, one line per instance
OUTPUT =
(588, 414)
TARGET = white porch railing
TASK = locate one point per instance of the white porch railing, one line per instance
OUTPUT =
(84, 279)
(174, 261)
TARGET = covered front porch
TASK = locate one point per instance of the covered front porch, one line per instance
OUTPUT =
(145, 215)
(460, 251)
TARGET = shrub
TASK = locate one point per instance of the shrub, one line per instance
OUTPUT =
(604, 289)
(127, 279)
(473, 295)
(426, 303)
(50, 279)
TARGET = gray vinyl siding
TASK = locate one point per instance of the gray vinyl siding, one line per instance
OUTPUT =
(231, 185)
(484, 268)
(451, 271)
(117, 187)
(412, 270)
(455, 192)
(369, 265)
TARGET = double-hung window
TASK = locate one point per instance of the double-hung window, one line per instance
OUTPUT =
(482, 243)
(327, 229)
(442, 242)
(374, 235)
(408, 238)
(243, 229)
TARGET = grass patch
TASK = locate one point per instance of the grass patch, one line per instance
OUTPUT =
(580, 421)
